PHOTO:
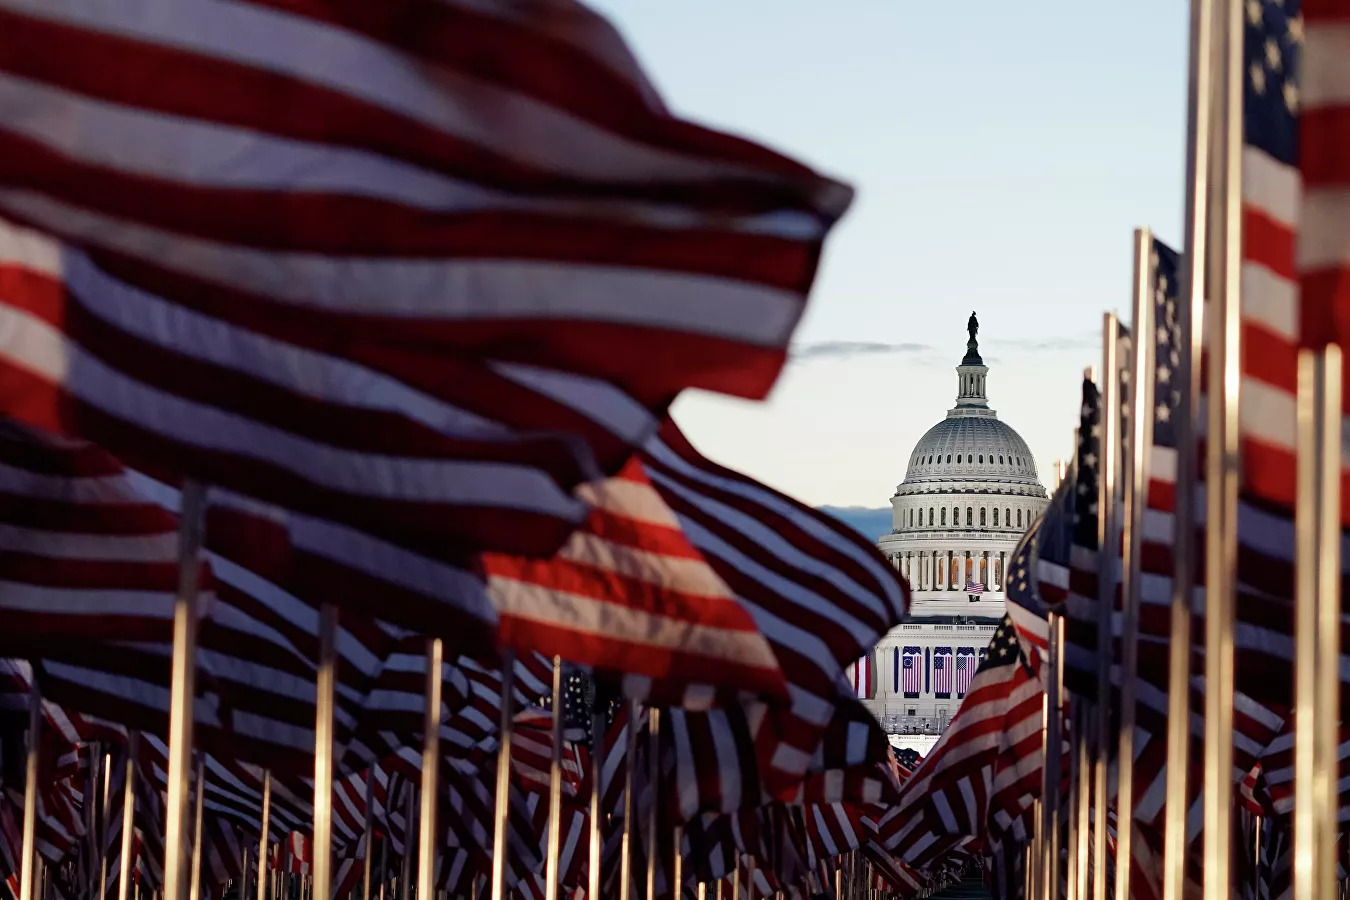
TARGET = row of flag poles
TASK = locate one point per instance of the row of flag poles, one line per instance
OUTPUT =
(339, 507)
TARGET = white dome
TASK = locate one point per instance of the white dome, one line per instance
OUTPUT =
(972, 447)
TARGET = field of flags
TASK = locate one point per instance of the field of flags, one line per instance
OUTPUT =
(347, 550)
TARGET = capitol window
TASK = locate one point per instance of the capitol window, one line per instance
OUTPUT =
(1000, 459)
(958, 457)
(1019, 518)
(1007, 517)
(970, 516)
(949, 457)
(944, 515)
(995, 516)
(981, 516)
(930, 515)
(981, 459)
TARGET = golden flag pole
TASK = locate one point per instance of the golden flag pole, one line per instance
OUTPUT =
(1223, 471)
(1136, 490)
(182, 690)
(1317, 568)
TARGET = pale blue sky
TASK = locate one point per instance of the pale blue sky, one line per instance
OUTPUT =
(1001, 153)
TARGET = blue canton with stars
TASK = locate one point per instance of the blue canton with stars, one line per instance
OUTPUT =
(1085, 476)
(1004, 648)
(1164, 262)
(1273, 44)
(1021, 580)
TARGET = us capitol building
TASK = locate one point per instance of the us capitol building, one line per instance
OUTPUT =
(970, 491)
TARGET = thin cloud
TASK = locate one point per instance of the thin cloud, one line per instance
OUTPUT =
(849, 349)
(1084, 340)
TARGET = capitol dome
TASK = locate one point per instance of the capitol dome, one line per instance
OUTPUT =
(970, 491)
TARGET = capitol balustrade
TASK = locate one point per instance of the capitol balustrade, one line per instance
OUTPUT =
(898, 724)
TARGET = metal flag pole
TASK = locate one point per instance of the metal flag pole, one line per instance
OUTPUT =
(1108, 543)
(369, 866)
(325, 683)
(596, 833)
(677, 863)
(405, 870)
(1317, 633)
(629, 807)
(1136, 487)
(431, 768)
(502, 807)
(1222, 471)
(182, 690)
(103, 828)
(199, 797)
(1083, 846)
(263, 834)
(653, 783)
(27, 864)
(1037, 870)
(552, 876)
(736, 876)
(1075, 737)
(1329, 616)
(1050, 804)
(129, 817)
(1194, 287)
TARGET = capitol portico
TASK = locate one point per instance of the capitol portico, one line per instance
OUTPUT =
(969, 493)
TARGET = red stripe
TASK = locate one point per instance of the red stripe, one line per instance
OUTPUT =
(1268, 242)
(132, 73)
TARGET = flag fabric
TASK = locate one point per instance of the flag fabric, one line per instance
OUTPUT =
(861, 678)
(911, 673)
(965, 669)
(1322, 253)
(361, 273)
(974, 587)
(942, 671)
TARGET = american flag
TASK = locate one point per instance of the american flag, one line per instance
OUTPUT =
(942, 671)
(1025, 608)
(974, 587)
(911, 671)
(965, 669)
(348, 267)
(1323, 256)
(861, 678)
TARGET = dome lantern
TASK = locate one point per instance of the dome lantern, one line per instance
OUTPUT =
(970, 375)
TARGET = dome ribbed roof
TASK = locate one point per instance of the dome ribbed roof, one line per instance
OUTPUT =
(966, 447)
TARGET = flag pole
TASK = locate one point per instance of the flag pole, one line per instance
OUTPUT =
(405, 865)
(27, 866)
(431, 767)
(502, 807)
(323, 752)
(677, 864)
(1329, 615)
(198, 801)
(1136, 487)
(1050, 805)
(128, 817)
(653, 780)
(595, 835)
(1316, 634)
(103, 827)
(629, 807)
(1075, 738)
(1222, 471)
(552, 876)
(263, 843)
(1083, 846)
(182, 690)
(1108, 540)
(369, 834)
(1194, 287)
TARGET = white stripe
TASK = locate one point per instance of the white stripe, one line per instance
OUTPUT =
(85, 602)
(440, 289)
(1271, 300)
(155, 548)
(1271, 186)
(32, 344)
